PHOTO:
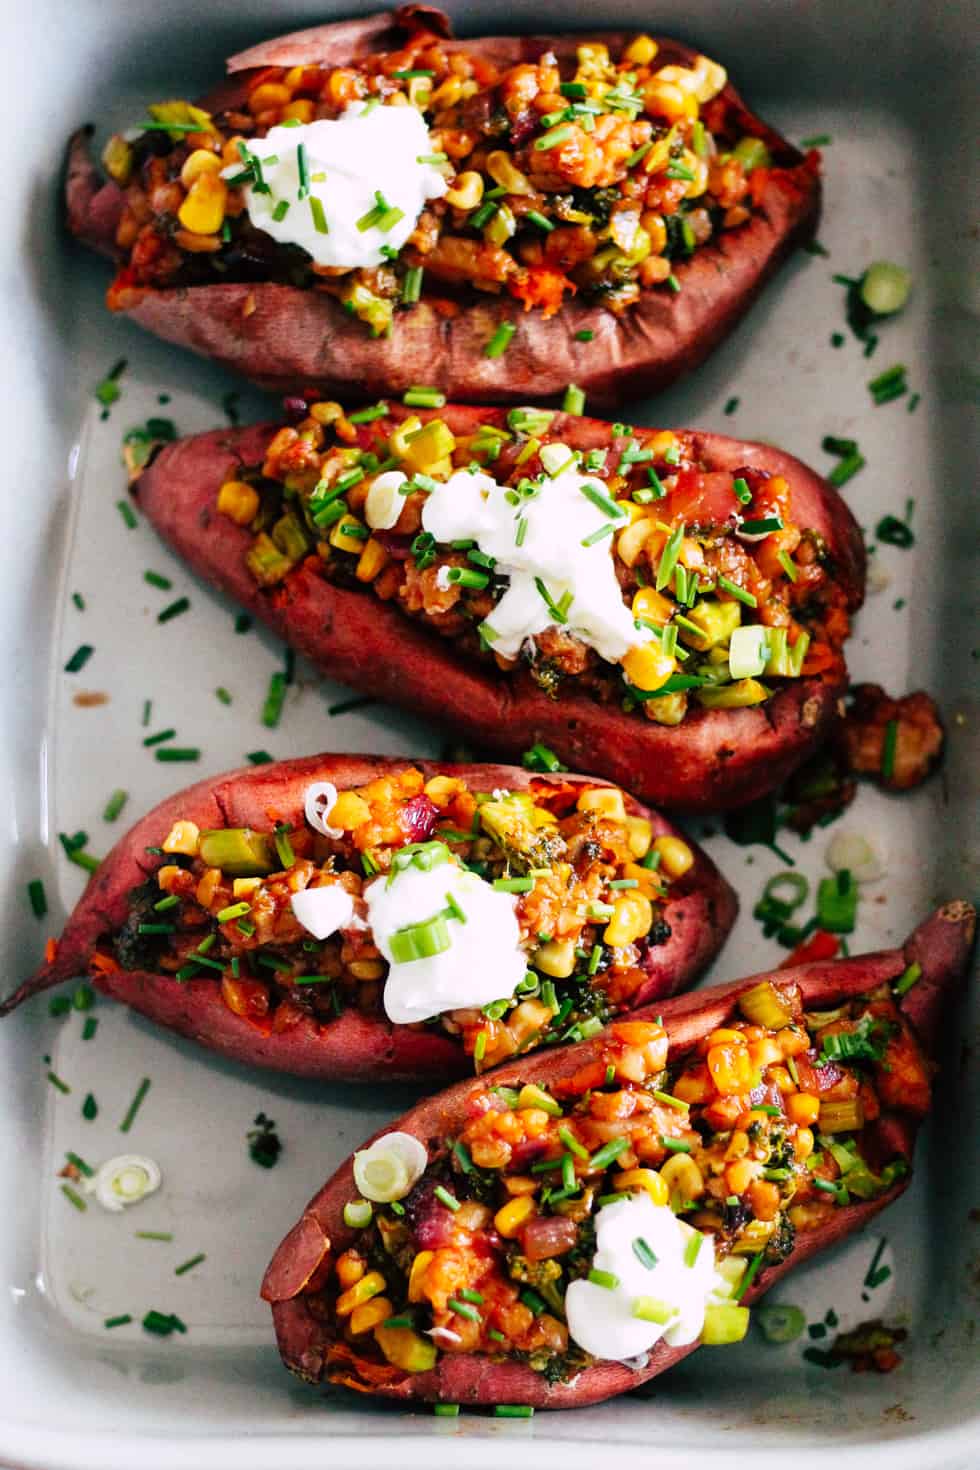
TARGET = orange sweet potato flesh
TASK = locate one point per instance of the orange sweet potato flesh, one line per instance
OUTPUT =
(941, 945)
(713, 760)
(286, 339)
(355, 1047)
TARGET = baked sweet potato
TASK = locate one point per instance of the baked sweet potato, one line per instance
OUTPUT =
(470, 1288)
(385, 617)
(191, 919)
(613, 299)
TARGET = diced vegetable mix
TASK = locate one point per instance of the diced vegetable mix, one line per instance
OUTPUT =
(753, 1137)
(588, 881)
(737, 596)
(591, 179)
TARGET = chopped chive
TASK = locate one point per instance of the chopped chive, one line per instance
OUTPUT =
(128, 514)
(114, 805)
(79, 658)
(155, 579)
(90, 1028)
(606, 1279)
(123, 1320)
(604, 1156)
(673, 283)
(233, 911)
(670, 1101)
(412, 285)
(38, 898)
(749, 1277)
(177, 753)
(513, 1411)
(553, 138)
(259, 758)
(888, 750)
(156, 928)
(80, 1164)
(742, 492)
(303, 169)
(444, 1197)
(421, 397)
(598, 535)
(788, 565)
(284, 848)
(535, 217)
(319, 217)
(74, 1198)
(162, 1235)
(159, 737)
(467, 577)
(500, 340)
(135, 1106)
(574, 400)
(513, 885)
(761, 527)
(281, 210)
(162, 1324)
(463, 1309)
(441, 1411)
(693, 1248)
(846, 469)
(274, 700)
(643, 1253)
(368, 415)
(78, 600)
(189, 1265)
(174, 610)
(675, 1145)
(739, 593)
(639, 153)
(602, 501)
(907, 979)
(668, 559)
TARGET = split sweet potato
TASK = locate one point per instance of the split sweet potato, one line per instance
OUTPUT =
(286, 338)
(713, 759)
(354, 1045)
(932, 962)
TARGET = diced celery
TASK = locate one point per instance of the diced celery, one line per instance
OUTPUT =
(724, 1322)
(718, 620)
(238, 851)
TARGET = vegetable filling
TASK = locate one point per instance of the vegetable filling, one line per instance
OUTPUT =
(639, 1197)
(507, 919)
(589, 178)
(631, 571)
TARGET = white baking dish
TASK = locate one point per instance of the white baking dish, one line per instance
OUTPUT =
(891, 83)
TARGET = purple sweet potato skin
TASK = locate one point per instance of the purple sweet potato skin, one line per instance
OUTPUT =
(713, 760)
(941, 945)
(355, 1047)
(285, 339)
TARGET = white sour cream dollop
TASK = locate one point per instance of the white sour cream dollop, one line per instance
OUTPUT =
(558, 521)
(366, 152)
(484, 961)
(322, 911)
(600, 1318)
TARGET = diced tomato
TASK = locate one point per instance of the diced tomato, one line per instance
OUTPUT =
(703, 499)
(820, 946)
(538, 285)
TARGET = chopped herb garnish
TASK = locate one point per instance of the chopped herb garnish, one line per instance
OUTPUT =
(58, 1083)
(173, 610)
(259, 758)
(128, 514)
(189, 1265)
(74, 1198)
(38, 898)
(500, 340)
(178, 753)
(264, 1143)
(123, 1320)
(79, 658)
(135, 1106)
(274, 700)
(114, 805)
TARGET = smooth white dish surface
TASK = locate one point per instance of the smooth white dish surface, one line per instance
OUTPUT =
(75, 1395)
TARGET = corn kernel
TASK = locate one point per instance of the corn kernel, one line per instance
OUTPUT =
(515, 1213)
(605, 801)
(362, 1291)
(370, 1315)
(647, 667)
(350, 1268)
(349, 811)
(501, 168)
(740, 1174)
(183, 837)
(803, 1108)
(201, 161)
(726, 1036)
(652, 606)
(419, 1267)
(693, 1087)
(442, 789)
(647, 1179)
(203, 211)
(711, 78)
(639, 832)
(631, 542)
(516, 1184)
(763, 1053)
(268, 95)
(632, 919)
(371, 561)
(366, 969)
(238, 501)
(682, 1177)
(676, 857)
(556, 958)
(667, 99)
(341, 538)
(803, 1143)
(466, 192)
(641, 51)
(302, 109)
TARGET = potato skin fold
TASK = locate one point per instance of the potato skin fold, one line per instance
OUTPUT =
(941, 945)
(355, 1047)
(285, 339)
(713, 760)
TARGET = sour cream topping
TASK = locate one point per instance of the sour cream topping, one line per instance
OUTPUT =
(601, 1318)
(483, 961)
(322, 911)
(349, 162)
(563, 560)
